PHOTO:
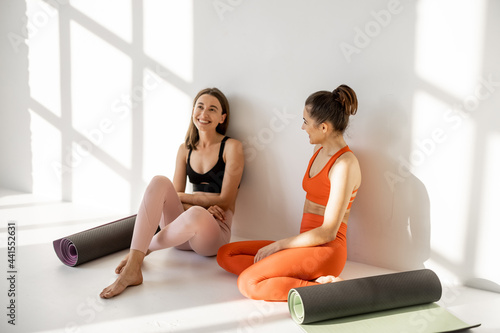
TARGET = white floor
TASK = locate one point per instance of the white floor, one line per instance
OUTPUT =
(182, 292)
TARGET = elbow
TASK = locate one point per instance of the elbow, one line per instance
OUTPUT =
(328, 235)
(219, 201)
(224, 204)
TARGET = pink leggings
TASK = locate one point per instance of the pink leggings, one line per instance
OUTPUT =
(194, 229)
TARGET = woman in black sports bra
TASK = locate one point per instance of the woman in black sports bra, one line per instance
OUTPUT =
(199, 221)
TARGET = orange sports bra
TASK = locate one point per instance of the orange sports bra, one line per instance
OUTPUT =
(318, 187)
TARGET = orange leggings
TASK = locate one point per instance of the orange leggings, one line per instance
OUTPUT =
(271, 278)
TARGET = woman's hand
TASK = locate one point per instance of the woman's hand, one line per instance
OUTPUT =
(217, 212)
(267, 251)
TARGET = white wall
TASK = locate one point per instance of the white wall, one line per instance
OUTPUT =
(98, 101)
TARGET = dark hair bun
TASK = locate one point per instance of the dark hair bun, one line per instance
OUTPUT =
(347, 98)
(336, 106)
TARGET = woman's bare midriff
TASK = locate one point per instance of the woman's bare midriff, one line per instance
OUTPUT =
(314, 208)
(317, 209)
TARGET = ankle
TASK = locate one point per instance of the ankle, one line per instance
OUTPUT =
(135, 258)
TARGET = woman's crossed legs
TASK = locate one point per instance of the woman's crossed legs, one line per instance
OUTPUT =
(194, 229)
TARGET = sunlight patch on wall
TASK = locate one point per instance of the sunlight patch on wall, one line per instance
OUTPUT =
(444, 42)
(429, 131)
(489, 213)
(101, 94)
(46, 150)
(448, 65)
(43, 56)
(114, 15)
(168, 35)
(167, 112)
(441, 152)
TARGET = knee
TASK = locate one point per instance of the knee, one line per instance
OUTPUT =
(197, 213)
(159, 182)
(198, 218)
(247, 285)
(197, 210)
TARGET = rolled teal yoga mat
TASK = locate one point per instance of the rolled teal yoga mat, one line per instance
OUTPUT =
(399, 302)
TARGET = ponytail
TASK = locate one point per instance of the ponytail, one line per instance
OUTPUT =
(347, 99)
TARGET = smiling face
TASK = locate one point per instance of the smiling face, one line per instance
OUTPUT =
(207, 113)
(315, 131)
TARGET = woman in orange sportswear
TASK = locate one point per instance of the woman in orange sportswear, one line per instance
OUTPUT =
(269, 269)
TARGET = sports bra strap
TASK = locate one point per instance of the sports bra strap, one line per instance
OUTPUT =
(222, 144)
(221, 149)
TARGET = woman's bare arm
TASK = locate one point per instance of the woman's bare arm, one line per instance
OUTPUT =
(345, 175)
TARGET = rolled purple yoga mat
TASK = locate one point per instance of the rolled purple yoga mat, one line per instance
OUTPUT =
(95, 243)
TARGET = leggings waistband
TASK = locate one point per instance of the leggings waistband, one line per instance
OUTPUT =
(312, 221)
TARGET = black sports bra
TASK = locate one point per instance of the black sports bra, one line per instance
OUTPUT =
(210, 181)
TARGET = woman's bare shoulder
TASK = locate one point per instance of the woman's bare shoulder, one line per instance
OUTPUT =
(347, 163)
(182, 151)
(234, 144)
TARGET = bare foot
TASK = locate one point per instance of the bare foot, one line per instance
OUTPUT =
(127, 278)
(328, 279)
(130, 274)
